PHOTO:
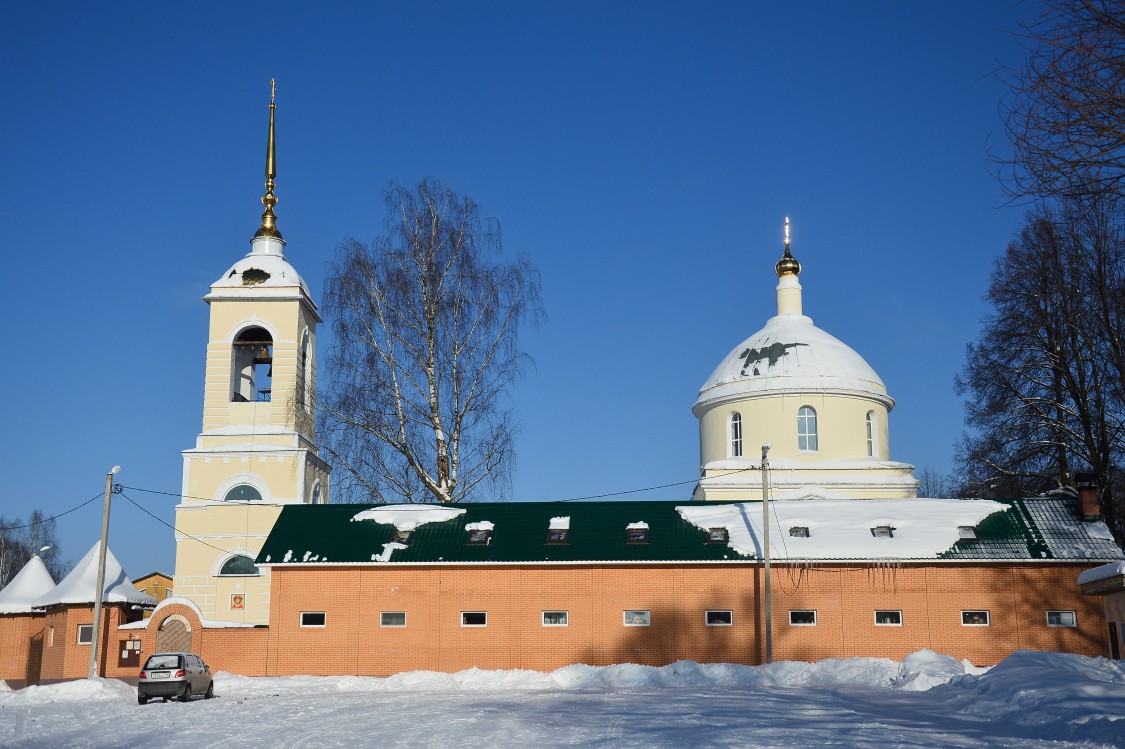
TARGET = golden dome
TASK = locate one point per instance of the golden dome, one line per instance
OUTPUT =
(787, 265)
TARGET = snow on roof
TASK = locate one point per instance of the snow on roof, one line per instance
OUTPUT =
(264, 273)
(791, 354)
(481, 525)
(409, 517)
(79, 586)
(1106, 571)
(639, 526)
(30, 583)
(560, 524)
(841, 529)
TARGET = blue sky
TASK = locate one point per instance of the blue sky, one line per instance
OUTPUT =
(643, 154)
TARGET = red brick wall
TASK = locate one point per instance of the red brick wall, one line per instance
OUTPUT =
(16, 632)
(931, 598)
(63, 657)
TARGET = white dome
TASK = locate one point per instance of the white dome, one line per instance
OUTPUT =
(263, 272)
(791, 355)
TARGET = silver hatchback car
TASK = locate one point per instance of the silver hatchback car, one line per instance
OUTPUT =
(178, 675)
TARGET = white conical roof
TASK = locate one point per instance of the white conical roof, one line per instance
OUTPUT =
(790, 354)
(29, 583)
(79, 585)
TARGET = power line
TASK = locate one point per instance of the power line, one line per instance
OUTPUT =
(569, 499)
(169, 525)
(53, 517)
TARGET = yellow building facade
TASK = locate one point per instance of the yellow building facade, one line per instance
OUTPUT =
(818, 405)
(256, 451)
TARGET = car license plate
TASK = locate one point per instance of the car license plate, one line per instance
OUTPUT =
(160, 675)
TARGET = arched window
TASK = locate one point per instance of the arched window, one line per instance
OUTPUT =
(316, 494)
(736, 435)
(243, 493)
(252, 375)
(871, 434)
(239, 565)
(806, 429)
(304, 373)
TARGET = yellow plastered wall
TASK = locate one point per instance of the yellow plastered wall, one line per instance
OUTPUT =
(268, 445)
(841, 428)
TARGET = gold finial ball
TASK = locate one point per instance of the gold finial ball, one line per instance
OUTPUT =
(787, 265)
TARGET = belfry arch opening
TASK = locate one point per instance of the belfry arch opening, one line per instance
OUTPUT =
(252, 367)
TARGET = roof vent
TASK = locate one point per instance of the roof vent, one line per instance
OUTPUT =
(966, 534)
(400, 537)
(883, 531)
(718, 536)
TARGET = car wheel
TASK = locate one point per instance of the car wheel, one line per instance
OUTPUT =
(210, 690)
(141, 699)
(186, 694)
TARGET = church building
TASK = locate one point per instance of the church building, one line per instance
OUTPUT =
(844, 560)
(816, 402)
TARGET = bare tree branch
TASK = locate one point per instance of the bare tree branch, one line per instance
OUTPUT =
(427, 324)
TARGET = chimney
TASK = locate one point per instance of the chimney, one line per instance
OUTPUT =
(1088, 504)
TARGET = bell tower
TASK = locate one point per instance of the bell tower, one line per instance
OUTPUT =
(257, 449)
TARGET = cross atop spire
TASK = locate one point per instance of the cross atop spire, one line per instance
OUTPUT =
(787, 265)
(269, 200)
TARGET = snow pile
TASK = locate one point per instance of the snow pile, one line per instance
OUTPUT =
(79, 690)
(560, 524)
(638, 526)
(917, 672)
(841, 529)
(1053, 692)
(480, 525)
(409, 517)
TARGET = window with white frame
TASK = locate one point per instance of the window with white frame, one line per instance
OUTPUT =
(474, 618)
(1061, 619)
(313, 619)
(392, 618)
(888, 618)
(85, 634)
(243, 493)
(736, 435)
(871, 434)
(636, 617)
(806, 429)
(556, 618)
(802, 618)
(975, 618)
(718, 618)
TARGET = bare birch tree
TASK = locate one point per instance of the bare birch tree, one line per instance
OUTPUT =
(426, 324)
(1065, 110)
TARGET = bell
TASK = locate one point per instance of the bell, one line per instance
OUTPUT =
(263, 356)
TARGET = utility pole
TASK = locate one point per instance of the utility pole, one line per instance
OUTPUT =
(766, 550)
(99, 594)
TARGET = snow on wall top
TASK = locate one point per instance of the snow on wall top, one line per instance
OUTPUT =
(1113, 569)
(409, 517)
(79, 585)
(841, 529)
(790, 353)
(29, 583)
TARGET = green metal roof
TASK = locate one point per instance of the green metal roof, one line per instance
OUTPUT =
(1032, 529)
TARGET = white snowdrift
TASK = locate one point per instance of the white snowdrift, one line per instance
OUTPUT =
(79, 690)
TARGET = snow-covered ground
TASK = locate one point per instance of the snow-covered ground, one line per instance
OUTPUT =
(1029, 700)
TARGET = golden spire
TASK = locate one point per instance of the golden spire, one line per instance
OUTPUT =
(269, 200)
(787, 265)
